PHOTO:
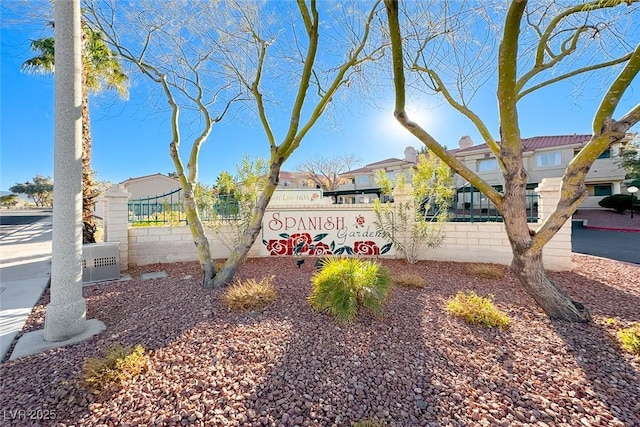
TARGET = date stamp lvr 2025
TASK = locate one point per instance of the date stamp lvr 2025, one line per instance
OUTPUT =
(28, 414)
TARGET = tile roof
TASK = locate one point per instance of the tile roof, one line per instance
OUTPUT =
(381, 162)
(355, 171)
(538, 142)
(371, 166)
(154, 175)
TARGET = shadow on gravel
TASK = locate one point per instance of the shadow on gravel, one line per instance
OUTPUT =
(135, 313)
(601, 299)
(612, 379)
(287, 364)
(378, 368)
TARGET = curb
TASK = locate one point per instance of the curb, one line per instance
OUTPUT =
(624, 230)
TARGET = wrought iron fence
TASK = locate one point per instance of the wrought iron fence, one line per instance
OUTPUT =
(470, 205)
(169, 209)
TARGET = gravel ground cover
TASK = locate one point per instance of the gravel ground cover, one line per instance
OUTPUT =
(287, 365)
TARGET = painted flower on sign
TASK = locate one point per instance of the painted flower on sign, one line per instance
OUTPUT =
(295, 244)
(300, 242)
(366, 247)
(359, 221)
(305, 244)
(279, 247)
(320, 249)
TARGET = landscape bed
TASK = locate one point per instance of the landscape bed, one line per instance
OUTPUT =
(286, 364)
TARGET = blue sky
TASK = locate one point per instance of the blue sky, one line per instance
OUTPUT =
(130, 138)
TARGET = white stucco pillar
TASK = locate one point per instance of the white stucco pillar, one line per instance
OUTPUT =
(66, 313)
(117, 221)
(557, 253)
(616, 188)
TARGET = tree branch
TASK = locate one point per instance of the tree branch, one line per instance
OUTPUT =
(400, 113)
(616, 90)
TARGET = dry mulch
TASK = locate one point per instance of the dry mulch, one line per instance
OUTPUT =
(287, 365)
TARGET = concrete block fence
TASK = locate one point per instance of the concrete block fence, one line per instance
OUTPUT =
(464, 242)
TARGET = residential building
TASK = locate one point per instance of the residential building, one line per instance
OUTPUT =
(150, 185)
(294, 180)
(545, 157)
(361, 186)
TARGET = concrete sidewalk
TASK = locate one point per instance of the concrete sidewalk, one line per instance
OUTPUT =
(25, 269)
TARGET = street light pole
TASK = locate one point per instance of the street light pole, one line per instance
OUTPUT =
(632, 190)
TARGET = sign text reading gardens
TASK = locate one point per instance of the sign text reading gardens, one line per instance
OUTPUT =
(321, 233)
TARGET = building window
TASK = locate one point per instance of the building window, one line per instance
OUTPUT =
(391, 175)
(286, 184)
(362, 179)
(552, 158)
(305, 184)
(487, 165)
(602, 190)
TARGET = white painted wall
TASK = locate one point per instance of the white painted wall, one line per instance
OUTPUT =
(464, 242)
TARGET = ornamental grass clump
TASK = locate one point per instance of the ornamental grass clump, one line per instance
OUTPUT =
(345, 284)
(251, 294)
(477, 310)
(630, 338)
(118, 365)
(408, 280)
(486, 271)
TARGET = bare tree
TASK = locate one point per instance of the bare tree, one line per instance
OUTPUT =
(178, 52)
(325, 171)
(272, 51)
(540, 44)
(267, 58)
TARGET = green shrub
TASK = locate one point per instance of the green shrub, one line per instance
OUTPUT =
(409, 280)
(617, 202)
(119, 364)
(487, 271)
(251, 294)
(344, 284)
(476, 310)
(630, 338)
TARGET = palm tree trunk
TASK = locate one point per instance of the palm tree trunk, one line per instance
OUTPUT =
(88, 191)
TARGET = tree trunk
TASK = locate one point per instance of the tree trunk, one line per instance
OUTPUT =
(239, 254)
(527, 260)
(553, 300)
(199, 237)
(88, 192)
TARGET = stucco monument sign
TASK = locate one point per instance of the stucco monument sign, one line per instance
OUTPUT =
(322, 232)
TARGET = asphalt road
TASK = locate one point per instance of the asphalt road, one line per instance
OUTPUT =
(12, 220)
(618, 245)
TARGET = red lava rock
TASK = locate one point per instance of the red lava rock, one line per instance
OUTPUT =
(287, 365)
